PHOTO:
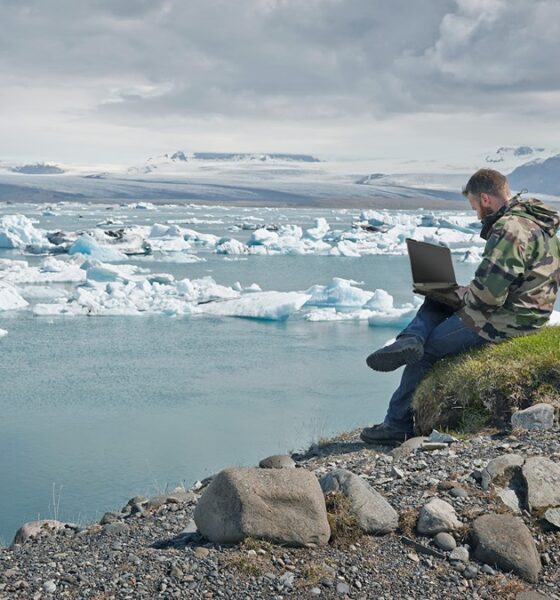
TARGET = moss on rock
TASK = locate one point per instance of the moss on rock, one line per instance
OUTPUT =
(483, 387)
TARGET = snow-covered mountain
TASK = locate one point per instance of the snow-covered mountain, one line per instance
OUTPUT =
(540, 176)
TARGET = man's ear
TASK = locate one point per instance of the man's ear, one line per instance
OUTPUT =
(485, 199)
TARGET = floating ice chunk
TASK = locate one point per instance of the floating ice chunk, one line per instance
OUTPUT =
(338, 293)
(251, 288)
(270, 306)
(318, 232)
(52, 265)
(158, 230)
(554, 318)
(3, 332)
(176, 257)
(263, 237)
(347, 248)
(380, 301)
(203, 290)
(142, 206)
(88, 246)
(230, 246)
(207, 240)
(10, 298)
(17, 231)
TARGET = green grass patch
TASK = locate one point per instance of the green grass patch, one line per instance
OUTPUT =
(483, 387)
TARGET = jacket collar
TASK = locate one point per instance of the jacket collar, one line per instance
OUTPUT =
(488, 222)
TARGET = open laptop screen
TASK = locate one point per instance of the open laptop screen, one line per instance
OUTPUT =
(430, 263)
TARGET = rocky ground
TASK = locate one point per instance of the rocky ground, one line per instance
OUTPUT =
(151, 549)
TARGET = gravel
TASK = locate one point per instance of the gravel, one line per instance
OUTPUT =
(146, 552)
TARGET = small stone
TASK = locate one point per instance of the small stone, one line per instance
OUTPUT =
(315, 591)
(458, 492)
(431, 446)
(277, 461)
(470, 572)
(539, 416)
(460, 553)
(342, 588)
(176, 572)
(396, 472)
(201, 552)
(252, 553)
(542, 479)
(488, 570)
(445, 541)
(49, 586)
(552, 516)
(114, 528)
(437, 516)
(109, 517)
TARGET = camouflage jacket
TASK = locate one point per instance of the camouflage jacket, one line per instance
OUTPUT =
(515, 286)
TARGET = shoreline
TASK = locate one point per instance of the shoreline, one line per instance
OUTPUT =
(152, 548)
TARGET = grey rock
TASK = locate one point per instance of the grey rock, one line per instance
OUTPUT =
(506, 542)
(431, 446)
(34, 528)
(488, 570)
(115, 528)
(437, 516)
(49, 586)
(438, 437)
(461, 554)
(284, 506)
(315, 591)
(470, 572)
(552, 516)
(458, 492)
(277, 461)
(501, 469)
(342, 588)
(542, 480)
(373, 513)
(510, 499)
(531, 595)
(445, 541)
(539, 416)
(137, 500)
(110, 517)
(406, 448)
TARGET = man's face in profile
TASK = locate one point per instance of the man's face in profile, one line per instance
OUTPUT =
(480, 203)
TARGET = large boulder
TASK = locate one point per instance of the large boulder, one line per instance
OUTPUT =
(373, 513)
(437, 516)
(283, 506)
(542, 480)
(506, 542)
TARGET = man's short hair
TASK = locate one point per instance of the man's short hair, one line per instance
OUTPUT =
(487, 181)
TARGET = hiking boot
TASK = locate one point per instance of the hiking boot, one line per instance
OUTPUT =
(384, 435)
(405, 351)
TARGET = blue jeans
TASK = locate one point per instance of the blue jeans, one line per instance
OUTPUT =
(443, 334)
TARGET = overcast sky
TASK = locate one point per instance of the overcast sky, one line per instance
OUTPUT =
(94, 81)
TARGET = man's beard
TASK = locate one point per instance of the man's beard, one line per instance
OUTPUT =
(485, 211)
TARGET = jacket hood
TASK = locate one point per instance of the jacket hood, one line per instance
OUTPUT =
(531, 208)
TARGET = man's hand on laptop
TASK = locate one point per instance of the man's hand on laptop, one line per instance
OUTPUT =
(461, 291)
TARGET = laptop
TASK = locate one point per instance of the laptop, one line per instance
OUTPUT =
(432, 272)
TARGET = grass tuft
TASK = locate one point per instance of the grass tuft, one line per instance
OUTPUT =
(483, 387)
(342, 520)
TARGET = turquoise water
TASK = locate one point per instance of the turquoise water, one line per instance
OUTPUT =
(105, 408)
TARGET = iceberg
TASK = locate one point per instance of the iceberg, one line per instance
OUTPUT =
(340, 293)
(88, 246)
(10, 298)
(17, 231)
(319, 231)
(269, 306)
(3, 332)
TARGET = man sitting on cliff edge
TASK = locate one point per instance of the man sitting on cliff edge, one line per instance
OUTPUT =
(513, 293)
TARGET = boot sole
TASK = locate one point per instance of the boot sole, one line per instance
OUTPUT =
(389, 361)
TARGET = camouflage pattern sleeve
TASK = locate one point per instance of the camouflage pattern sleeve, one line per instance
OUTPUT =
(503, 262)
